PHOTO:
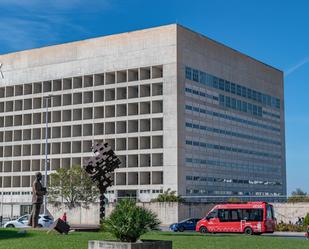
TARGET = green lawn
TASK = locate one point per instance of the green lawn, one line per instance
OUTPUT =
(10, 239)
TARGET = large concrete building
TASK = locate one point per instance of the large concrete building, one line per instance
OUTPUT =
(182, 112)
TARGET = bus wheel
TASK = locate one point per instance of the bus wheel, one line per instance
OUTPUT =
(248, 231)
(203, 230)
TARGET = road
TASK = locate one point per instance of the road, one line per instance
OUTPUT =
(289, 235)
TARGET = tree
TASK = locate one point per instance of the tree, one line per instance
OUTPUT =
(128, 222)
(168, 196)
(73, 187)
(298, 196)
(233, 200)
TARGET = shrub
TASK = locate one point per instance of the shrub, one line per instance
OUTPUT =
(282, 227)
(128, 222)
(168, 196)
(306, 220)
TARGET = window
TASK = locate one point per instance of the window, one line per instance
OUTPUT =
(213, 214)
(238, 90)
(195, 75)
(188, 73)
(235, 215)
(244, 91)
(244, 106)
(223, 215)
(227, 86)
(228, 101)
(221, 84)
(252, 214)
(233, 88)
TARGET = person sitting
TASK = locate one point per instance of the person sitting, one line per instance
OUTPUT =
(64, 217)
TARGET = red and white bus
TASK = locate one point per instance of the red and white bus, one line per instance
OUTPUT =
(249, 218)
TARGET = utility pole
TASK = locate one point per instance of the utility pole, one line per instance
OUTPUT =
(46, 98)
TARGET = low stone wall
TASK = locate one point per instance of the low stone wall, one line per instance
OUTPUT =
(172, 212)
(289, 212)
(78, 215)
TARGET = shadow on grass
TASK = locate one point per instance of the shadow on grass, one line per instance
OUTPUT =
(12, 234)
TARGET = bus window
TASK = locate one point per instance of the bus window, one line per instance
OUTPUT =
(223, 215)
(234, 214)
(252, 214)
(269, 212)
(213, 214)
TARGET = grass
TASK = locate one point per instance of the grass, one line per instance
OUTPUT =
(11, 239)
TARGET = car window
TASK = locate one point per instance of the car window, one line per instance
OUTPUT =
(23, 218)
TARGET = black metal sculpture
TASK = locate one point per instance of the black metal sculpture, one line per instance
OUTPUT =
(100, 168)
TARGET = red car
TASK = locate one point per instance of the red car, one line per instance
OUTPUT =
(249, 218)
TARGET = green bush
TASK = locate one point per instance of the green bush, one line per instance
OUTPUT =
(128, 222)
(168, 196)
(282, 227)
(306, 220)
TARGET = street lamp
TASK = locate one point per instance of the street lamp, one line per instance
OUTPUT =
(46, 98)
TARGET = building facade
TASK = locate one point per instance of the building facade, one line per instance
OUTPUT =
(181, 111)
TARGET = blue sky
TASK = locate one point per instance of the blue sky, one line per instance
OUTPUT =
(273, 31)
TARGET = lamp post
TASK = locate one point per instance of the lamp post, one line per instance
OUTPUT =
(46, 98)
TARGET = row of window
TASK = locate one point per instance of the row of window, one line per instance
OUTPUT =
(107, 78)
(200, 93)
(209, 195)
(233, 165)
(229, 180)
(231, 133)
(242, 106)
(227, 86)
(235, 104)
(231, 149)
(148, 191)
(273, 115)
(232, 118)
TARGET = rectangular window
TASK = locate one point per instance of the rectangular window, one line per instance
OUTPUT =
(233, 103)
(233, 88)
(249, 93)
(244, 91)
(259, 97)
(221, 100)
(250, 108)
(227, 86)
(244, 106)
(188, 73)
(238, 104)
(238, 90)
(215, 82)
(221, 84)
(254, 97)
(203, 78)
(228, 101)
(195, 75)
(278, 103)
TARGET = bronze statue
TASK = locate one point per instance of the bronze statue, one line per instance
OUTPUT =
(38, 191)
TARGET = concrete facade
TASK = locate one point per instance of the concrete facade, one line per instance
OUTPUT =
(135, 90)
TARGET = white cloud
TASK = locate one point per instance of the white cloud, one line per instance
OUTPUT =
(297, 66)
(27, 24)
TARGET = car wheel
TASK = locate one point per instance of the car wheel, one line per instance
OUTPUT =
(248, 231)
(10, 226)
(39, 226)
(203, 230)
(181, 229)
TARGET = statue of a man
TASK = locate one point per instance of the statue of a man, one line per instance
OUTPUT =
(38, 191)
